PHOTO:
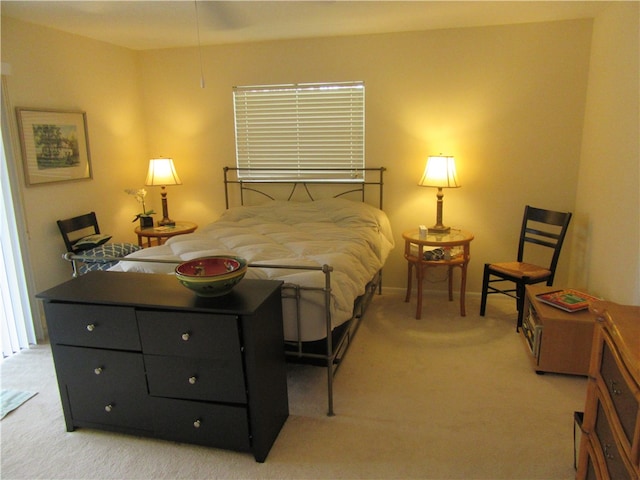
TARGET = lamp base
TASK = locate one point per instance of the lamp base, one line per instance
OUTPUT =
(439, 230)
(166, 222)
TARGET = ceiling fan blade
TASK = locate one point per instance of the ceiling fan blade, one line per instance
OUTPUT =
(221, 15)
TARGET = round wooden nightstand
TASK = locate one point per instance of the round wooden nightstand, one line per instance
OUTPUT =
(457, 242)
(162, 233)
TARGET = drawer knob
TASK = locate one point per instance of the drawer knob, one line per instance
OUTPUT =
(91, 327)
(614, 389)
(97, 370)
(108, 408)
(197, 424)
(607, 451)
(185, 336)
(193, 380)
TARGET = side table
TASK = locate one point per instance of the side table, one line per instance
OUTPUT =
(162, 233)
(557, 341)
(456, 242)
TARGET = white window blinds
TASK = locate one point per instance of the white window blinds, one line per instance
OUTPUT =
(293, 131)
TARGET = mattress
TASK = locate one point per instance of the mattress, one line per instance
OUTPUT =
(353, 238)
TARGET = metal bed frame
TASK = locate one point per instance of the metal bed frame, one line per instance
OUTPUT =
(336, 344)
(356, 184)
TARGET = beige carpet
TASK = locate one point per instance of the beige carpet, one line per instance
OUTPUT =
(445, 397)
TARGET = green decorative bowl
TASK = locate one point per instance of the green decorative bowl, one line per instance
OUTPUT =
(211, 276)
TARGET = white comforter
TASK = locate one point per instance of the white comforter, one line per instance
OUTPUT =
(354, 238)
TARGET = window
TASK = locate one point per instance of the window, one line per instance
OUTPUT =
(291, 131)
(16, 323)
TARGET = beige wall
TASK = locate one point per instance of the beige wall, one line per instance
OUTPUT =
(606, 254)
(508, 102)
(52, 70)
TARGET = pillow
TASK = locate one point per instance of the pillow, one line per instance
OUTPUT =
(117, 250)
(91, 241)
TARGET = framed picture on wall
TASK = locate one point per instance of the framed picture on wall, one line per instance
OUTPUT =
(55, 145)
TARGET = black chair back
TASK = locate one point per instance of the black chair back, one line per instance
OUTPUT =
(546, 228)
(80, 223)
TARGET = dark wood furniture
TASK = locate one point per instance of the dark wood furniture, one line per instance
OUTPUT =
(141, 354)
(540, 228)
(458, 244)
(610, 442)
(557, 341)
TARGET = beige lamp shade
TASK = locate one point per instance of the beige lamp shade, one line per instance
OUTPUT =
(162, 172)
(440, 172)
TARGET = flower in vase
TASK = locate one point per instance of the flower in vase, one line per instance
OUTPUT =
(139, 196)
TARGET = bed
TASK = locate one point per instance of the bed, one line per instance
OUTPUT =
(329, 252)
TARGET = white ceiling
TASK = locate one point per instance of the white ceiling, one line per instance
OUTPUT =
(142, 25)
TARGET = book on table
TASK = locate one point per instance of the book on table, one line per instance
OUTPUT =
(567, 299)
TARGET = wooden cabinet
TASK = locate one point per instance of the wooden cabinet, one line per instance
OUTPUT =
(610, 444)
(141, 354)
(557, 341)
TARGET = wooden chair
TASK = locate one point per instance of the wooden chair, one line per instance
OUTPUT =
(545, 228)
(82, 236)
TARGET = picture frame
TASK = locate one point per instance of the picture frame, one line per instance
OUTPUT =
(55, 145)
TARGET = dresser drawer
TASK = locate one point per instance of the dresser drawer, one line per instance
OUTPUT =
(104, 386)
(624, 401)
(195, 335)
(220, 379)
(92, 325)
(613, 457)
(202, 423)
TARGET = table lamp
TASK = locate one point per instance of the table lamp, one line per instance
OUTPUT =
(163, 173)
(439, 172)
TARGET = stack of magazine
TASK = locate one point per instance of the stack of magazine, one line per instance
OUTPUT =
(567, 299)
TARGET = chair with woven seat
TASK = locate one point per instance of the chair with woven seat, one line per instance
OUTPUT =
(82, 237)
(545, 228)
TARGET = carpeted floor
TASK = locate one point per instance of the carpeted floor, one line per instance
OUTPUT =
(444, 397)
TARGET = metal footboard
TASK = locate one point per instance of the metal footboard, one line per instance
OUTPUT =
(335, 348)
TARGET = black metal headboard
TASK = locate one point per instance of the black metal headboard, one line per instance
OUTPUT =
(340, 188)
